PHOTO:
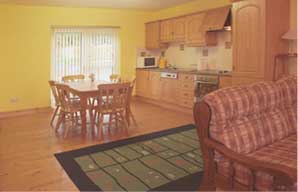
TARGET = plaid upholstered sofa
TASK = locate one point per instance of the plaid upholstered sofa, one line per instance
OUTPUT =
(248, 136)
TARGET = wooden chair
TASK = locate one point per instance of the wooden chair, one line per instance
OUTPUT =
(72, 78)
(130, 114)
(115, 78)
(112, 101)
(57, 103)
(69, 107)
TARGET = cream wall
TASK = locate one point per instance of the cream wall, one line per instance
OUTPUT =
(219, 57)
(25, 48)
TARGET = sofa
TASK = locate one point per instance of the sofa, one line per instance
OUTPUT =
(248, 137)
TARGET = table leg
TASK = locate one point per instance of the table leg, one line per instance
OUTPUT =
(84, 104)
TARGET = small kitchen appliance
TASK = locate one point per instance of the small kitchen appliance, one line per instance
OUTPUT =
(147, 62)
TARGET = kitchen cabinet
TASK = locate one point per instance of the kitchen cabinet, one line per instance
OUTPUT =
(215, 19)
(154, 85)
(169, 90)
(179, 29)
(195, 34)
(166, 32)
(186, 90)
(257, 29)
(153, 36)
(142, 83)
(225, 81)
(172, 30)
(148, 84)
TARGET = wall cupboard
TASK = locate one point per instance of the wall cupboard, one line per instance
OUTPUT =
(153, 36)
(194, 29)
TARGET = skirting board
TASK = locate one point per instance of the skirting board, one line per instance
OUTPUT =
(164, 105)
(24, 112)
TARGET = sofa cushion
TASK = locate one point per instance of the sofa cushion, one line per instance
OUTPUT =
(288, 87)
(247, 118)
(283, 152)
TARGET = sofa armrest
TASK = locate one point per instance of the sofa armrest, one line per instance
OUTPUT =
(283, 176)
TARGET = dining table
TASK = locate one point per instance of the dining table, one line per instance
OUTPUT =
(85, 89)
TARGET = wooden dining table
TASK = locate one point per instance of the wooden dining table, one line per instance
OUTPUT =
(85, 89)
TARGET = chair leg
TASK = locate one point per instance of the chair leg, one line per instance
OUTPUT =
(60, 120)
(130, 114)
(100, 123)
(54, 115)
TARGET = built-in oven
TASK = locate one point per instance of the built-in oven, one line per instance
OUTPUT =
(204, 84)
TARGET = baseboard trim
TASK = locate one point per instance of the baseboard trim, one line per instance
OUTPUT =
(170, 106)
(24, 112)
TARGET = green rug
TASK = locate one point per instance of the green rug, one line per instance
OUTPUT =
(167, 160)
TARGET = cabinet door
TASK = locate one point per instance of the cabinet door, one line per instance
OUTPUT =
(194, 32)
(142, 83)
(249, 38)
(179, 29)
(166, 31)
(169, 90)
(155, 85)
(152, 35)
(215, 19)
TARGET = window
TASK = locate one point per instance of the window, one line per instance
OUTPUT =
(85, 51)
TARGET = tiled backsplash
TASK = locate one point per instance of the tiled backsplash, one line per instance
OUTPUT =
(218, 57)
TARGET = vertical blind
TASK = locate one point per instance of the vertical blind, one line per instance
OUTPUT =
(85, 51)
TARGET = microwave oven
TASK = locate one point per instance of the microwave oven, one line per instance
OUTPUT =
(147, 62)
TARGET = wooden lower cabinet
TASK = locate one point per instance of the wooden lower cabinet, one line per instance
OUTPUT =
(186, 90)
(154, 85)
(178, 92)
(225, 81)
(169, 90)
(142, 83)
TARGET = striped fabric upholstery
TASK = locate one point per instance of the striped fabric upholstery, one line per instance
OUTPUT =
(253, 120)
(283, 152)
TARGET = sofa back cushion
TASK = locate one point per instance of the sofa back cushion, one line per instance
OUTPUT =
(246, 118)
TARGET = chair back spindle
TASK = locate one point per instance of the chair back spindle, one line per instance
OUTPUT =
(72, 78)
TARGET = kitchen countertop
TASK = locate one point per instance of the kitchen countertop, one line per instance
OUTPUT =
(189, 71)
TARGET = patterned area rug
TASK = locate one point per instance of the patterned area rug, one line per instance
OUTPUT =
(165, 161)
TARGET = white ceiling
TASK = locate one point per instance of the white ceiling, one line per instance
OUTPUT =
(131, 4)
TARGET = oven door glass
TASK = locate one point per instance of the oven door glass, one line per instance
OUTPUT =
(149, 62)
(203, 88)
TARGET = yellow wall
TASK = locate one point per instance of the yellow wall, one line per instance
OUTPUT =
(191, 7)
(25, 42)
(25, 39)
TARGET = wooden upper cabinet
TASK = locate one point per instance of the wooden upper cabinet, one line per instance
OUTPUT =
(153, 35)
(215, 19)
(166, 32)
(172, 30)
(249, 38)
(195, 34)
(178, 29)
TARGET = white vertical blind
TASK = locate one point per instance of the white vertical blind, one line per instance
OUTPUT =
(85, 51)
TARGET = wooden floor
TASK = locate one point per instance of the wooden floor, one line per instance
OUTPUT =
(28, 145)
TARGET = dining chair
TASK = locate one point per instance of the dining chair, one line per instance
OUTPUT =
(57, 103)
(69, 108)
(112, 101)
(129, 112)
(115, 78)
(72, 78)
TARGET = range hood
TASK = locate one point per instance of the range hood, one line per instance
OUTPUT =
(218, 19)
